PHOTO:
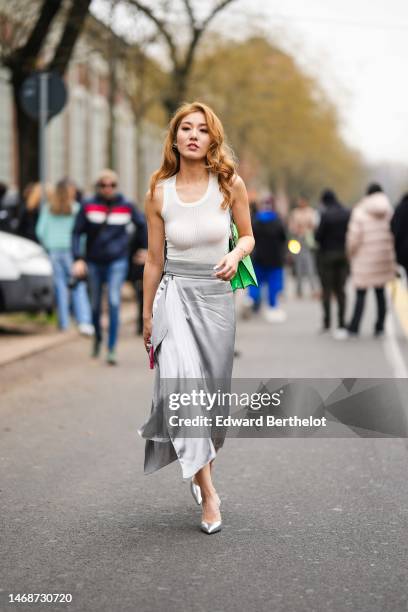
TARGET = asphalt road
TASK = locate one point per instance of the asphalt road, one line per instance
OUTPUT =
(309, 524)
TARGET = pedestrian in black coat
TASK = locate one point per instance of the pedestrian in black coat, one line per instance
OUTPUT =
(399, 227)
(333, 266)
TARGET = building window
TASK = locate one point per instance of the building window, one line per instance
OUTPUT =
(99, 134)
(125, 152)
(56, 148)
(6, 123)
(79, 138)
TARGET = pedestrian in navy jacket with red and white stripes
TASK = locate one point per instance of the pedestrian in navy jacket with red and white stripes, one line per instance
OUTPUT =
(104, 218)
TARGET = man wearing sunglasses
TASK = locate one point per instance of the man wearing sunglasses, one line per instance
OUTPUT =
(103, 218)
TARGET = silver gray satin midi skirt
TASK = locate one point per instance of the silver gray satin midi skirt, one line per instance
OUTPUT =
(193, 336)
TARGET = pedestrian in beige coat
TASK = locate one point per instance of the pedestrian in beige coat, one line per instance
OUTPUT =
(370, 248)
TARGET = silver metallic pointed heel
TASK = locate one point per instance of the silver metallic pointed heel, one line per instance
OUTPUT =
(196, 492)
(211, 528)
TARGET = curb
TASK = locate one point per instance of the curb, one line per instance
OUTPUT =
(32, 345)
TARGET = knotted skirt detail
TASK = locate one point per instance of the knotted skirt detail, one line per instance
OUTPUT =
(193, 336)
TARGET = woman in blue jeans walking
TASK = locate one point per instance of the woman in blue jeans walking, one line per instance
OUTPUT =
(54, 229)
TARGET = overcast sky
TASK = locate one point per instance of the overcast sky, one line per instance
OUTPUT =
(359, 51)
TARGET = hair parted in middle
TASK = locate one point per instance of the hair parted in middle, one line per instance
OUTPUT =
(63, 197)
(219, 159)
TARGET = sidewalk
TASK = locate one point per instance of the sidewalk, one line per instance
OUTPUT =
(24, 340)
(20, 344)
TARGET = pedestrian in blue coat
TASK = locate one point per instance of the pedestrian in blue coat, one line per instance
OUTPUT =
(103, 218)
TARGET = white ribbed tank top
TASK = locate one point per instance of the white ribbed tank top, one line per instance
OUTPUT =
(195, 231)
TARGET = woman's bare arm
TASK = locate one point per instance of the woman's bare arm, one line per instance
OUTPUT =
(155, 251)
(242, 218)
(227, 266)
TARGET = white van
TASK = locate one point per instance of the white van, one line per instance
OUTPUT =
(26, 281)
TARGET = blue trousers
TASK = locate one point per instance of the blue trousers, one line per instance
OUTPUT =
(61, 261)
(273, 277)
(113, 274)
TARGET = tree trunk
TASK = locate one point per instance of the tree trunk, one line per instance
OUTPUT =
(177, 94)
(23, 61)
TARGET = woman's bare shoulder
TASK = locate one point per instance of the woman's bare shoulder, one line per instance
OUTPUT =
(239, 190)
(154, 202)
(237, 180)
(238, 184)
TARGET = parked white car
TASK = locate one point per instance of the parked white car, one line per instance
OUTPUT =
(26, 282)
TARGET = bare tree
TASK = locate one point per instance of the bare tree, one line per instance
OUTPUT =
(27, 56)
(181, 56)
(114, 56)
(144, 85)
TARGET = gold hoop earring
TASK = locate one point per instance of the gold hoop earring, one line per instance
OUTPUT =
(174, 146)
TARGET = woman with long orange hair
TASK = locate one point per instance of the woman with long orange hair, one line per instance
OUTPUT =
(188, 314)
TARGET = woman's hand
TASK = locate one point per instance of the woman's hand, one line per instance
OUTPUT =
(227, 267)
(147, 332)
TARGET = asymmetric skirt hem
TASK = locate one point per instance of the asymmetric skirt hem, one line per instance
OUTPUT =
(193, 335)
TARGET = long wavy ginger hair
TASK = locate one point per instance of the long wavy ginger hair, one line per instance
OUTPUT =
(219, 159)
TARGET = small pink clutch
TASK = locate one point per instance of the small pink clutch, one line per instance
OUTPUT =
(151, 358)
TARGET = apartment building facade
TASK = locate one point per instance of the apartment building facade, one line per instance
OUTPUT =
(77, 138)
